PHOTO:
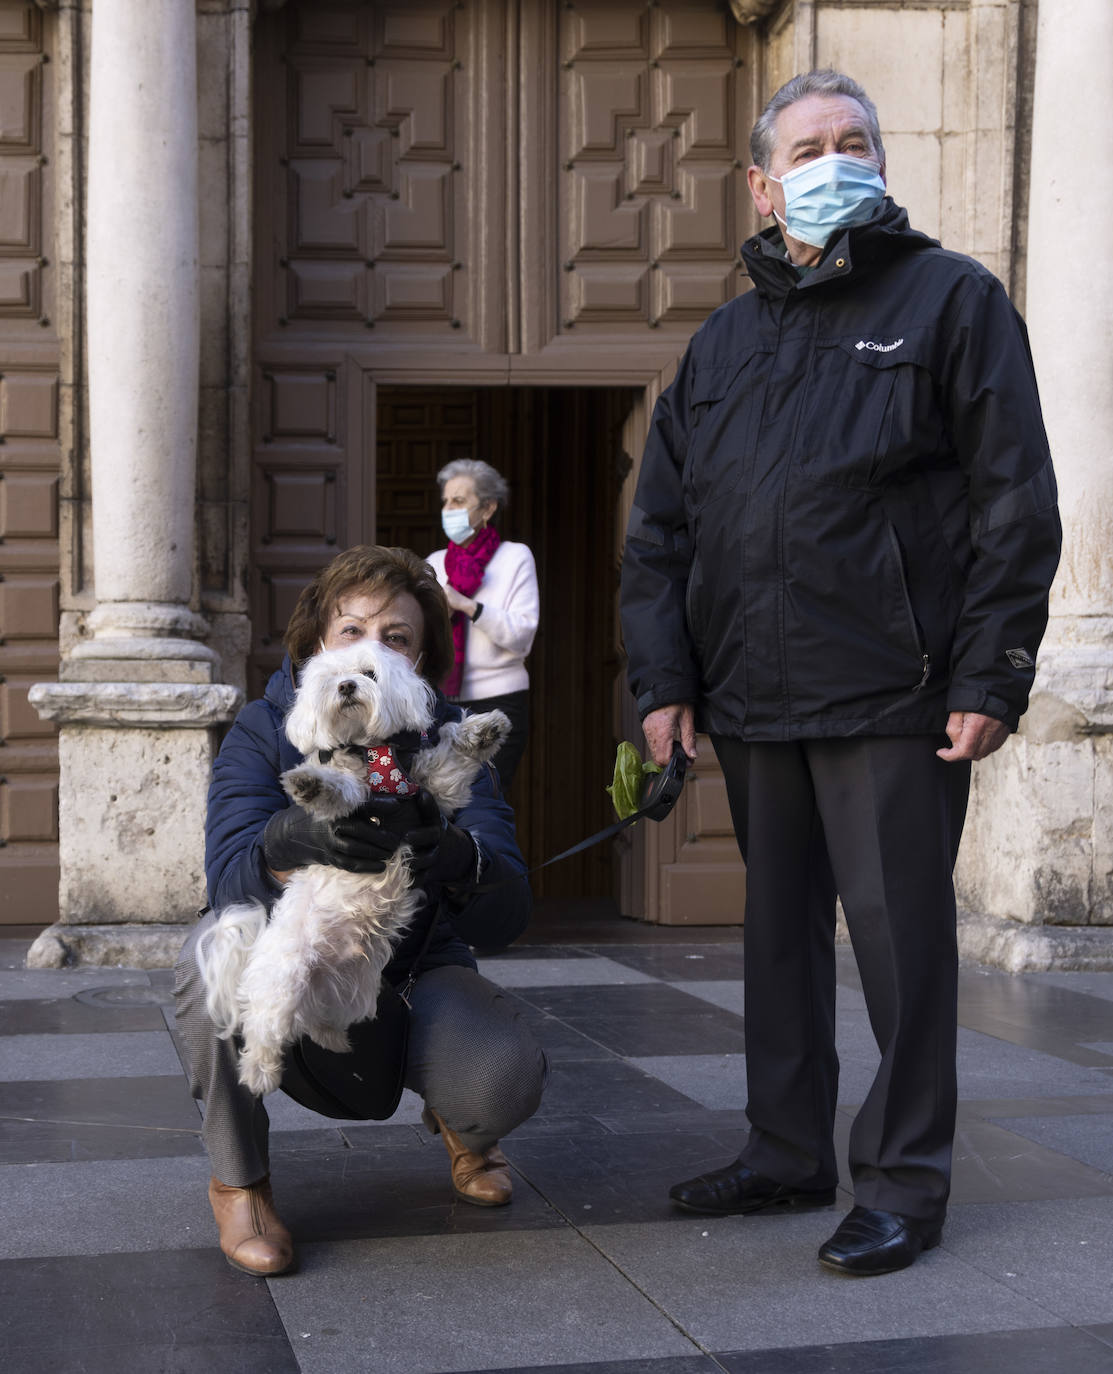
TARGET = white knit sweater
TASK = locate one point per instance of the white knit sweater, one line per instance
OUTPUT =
(498, 642)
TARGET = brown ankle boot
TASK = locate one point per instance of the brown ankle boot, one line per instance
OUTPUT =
(483, 1179)
(251, 1235)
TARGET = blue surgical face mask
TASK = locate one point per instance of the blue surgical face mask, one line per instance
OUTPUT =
(456, 525)
(829, 194)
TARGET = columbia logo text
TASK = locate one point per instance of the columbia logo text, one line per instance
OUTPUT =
(878, 348)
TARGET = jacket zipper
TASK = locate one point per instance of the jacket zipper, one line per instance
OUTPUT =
(782, 650)
(909, 610)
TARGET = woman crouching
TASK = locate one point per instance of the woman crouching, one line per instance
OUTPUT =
(469, 1057)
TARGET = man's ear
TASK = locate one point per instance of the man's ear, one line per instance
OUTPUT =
(759, 190)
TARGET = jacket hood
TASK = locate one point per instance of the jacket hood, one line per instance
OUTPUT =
(279, 690)
(862, 247)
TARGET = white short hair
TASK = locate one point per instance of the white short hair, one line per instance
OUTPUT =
(489, 484)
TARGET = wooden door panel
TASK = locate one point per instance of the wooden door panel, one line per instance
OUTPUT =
(375, 168)
(30, 463)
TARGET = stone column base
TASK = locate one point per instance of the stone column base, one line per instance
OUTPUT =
(1019, 948)
(135, 760)
(123, 946)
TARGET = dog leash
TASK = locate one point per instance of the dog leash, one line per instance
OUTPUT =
(663, 792)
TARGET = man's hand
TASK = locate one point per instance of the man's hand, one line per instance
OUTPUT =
(972, 736)
(666, 724)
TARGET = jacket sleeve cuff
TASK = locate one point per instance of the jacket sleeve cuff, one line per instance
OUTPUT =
(982, 703)
(674, 694)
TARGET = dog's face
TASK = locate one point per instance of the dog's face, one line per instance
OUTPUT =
(362, 694)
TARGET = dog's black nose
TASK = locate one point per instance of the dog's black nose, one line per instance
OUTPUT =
(346, 688)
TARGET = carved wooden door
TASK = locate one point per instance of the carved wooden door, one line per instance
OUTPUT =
(488, 197)
(29, 471)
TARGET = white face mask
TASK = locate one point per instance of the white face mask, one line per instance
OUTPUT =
(829, 194)
(456, 525)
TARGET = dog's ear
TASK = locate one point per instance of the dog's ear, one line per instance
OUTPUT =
(303, 725)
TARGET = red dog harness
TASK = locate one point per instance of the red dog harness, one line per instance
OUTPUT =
(384, 774)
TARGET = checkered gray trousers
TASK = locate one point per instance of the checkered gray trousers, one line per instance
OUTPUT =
(471, 1058)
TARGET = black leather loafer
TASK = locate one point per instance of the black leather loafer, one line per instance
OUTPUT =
(873, 1242)
(737, 1191)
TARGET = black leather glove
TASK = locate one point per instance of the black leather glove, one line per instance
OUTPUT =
(443, 852)
(361, 842)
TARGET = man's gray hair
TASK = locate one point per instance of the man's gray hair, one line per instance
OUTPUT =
(824, 81)
(489, 484)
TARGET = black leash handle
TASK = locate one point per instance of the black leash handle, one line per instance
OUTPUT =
(662, 795)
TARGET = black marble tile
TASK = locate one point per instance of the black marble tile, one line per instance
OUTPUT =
(678, 963)
(1039, 1016)
(643, 1019)
(992, 1164)
(673, 1364)
(328, 1138)
(163, 1312)
(612, 1089)
(1086, 1104)
(68, 1016)
(558, 1039)
(61, 1142)
(1039, 1351)
(534, 952)
(384, 1137)
(616, 1179)
(163, 1102)
(1103, 1333)
(691, 1117)
(356, 1194)
(570, 1125)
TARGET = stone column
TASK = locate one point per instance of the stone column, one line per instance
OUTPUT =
(1038, 860)
(137, 703)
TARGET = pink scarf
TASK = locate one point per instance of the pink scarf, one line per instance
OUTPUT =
(465, 566)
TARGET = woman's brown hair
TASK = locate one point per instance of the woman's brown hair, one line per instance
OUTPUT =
(374, 568)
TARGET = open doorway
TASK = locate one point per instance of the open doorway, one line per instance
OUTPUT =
(560, 450)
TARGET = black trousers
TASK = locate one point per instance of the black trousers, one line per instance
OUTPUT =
(516, 706)
(876, 822)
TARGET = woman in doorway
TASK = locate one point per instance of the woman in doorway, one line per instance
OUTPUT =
(477, 1067)
(491, 586)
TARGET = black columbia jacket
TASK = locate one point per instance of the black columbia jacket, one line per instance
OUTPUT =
(845, 519)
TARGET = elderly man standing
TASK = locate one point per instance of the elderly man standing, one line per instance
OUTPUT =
(837, 566)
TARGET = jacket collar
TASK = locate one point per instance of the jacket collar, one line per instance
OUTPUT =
(862, 248)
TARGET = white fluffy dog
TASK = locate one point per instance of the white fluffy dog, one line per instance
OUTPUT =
(316, 966)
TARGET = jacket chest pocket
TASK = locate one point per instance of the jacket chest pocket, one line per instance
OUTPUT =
(870, 410)
(724, 413)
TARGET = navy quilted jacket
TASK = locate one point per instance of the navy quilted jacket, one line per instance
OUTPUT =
(245, 792)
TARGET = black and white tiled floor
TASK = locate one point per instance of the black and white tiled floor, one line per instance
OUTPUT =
(107, 1254)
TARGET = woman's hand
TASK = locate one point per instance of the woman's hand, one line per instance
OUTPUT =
(361, 842)
(442, 852)
(458, 602)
